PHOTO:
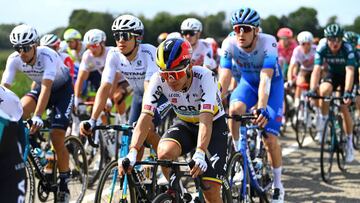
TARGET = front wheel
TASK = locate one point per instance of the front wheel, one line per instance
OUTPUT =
(300, 125)
(164, 198)
(327, 151)
(30, 183)
(341, 144)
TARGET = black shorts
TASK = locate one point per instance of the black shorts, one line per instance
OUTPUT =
(336, 80)
(60, 102)
(12, 170)
(186, 134)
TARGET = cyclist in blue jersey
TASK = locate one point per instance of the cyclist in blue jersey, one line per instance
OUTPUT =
(261, 84)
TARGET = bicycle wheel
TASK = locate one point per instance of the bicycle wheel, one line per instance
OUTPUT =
(110, 186)
(356, 135)
(312, 120)
(341, 143)
(300, 126)
(164, 198)
(327, 151)
(235, 175)
(78, 167)
(266, 179)
(30, 183)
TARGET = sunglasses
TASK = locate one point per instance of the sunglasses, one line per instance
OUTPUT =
(23, 48)
(126, 36)
(93, 46)
(243, 28)
(306, 44)
(334, 39)
(174, 75)
(188, 32)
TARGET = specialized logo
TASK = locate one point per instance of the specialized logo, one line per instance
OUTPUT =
(214, 159)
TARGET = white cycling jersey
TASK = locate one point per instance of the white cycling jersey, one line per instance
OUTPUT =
(305, 61)
(91, 63)
(10, 104)
(48, 65)
(202, 96)
(136, 71)
(203, 55)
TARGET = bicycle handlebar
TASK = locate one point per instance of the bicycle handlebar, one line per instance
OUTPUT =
(87, 127)
(243, 117)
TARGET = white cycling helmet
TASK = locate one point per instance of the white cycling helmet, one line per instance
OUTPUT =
(94, 36)
(191, 24)
(305, 37)
(23, 34)
(174, 35)
(50, 40)
(128, 23)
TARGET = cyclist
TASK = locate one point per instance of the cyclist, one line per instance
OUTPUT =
(340, 60)
(134, 61)
(195, 97)
(286, 45)
(173, 35)
(12, 172)
(53, 89)
(191, 29)
(162, 37)
(302, 59)
(261, 84)
(53, 41)
(215, 49)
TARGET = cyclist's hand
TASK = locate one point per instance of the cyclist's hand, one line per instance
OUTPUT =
(108, 105)
(83, 130)
(132, 158)
(37, 123)
(347, 97)
(288, 84)
(200, 163)
(262, 117)
(311, 93)
(76, 104)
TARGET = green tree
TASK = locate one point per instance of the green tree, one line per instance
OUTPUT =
(5, 30)
(270, 24)
(304, 19)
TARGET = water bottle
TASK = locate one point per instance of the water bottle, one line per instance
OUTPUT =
(148, 170)
(41, 156)
(258, 165)
(50, 157)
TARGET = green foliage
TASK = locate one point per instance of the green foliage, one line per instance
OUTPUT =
(3, 57)
(5, 30)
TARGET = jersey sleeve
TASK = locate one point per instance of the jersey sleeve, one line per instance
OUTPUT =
(271, 53)
(151, 64)
(295, 57)
(51, 64)
(111, 66)
(351, 60)
(209, 88)
(10, 104)
(318, 59)
(84, 64)
(226, 57)
(10, 70)
(152, 95)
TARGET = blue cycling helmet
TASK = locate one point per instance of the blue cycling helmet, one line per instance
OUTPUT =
(246, 16)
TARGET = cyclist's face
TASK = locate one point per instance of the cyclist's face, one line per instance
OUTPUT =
(244, 34)
(26, 52)
(176, 79)
(125, 43)
(72, 43)
(306, 47)
(95, 49)
(191, 36)
(334, 43)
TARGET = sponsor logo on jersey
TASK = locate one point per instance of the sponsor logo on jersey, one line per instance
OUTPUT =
(173, 100)
(206, 106)
(148, 107)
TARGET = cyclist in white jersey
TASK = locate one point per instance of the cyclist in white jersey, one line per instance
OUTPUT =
(261, 85)
(53, 90)
(302, 58)
(194, 94)
(132, 60)
(53, 41)
(202, 55)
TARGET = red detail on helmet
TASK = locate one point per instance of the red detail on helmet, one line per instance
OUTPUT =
(185, 54)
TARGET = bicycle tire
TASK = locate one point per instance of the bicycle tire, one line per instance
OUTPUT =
(356, 135)
(235, 188)
(30, 183)
(164, 198)
(327, 148)
(78, 168)
(105, 181)
(341, 144)
(300, 126)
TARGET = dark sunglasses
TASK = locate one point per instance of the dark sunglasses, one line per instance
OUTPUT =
(188, 32)
(23, 48)
(334, 39)
(126, 36)
(243, 28)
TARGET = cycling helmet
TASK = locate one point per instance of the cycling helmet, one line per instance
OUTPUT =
(94, 36)
(50, 40)
(191, 24)
(305, 37)
(23, 35)
(245, 16)
(333, 30)
(162, 37)
(351, 37)
(172, 53)
(71, 34)
(128, 23)
(284, 33)
(173, 35)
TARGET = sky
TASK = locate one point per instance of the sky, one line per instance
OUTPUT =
(46, 15)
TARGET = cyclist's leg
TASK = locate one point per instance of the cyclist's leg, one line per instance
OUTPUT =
(119, 100)
(28, 102)
(300, 79)
(242, 98)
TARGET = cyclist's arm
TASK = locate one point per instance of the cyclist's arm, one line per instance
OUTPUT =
(292, 71)
(100, 99)
(33, 85)
(349, 78)
(264, 86)
(315, 77)
(225, 77)
(205, 130)
(141, 130)
(82, 76)
(114, 85)
(44, 96)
